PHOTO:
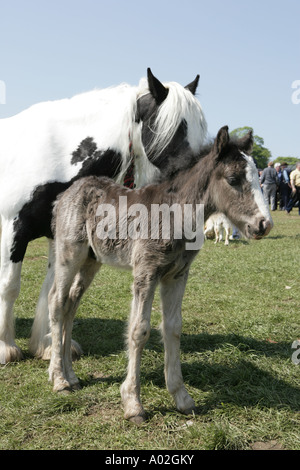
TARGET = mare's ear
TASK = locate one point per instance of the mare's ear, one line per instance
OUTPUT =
(221, 140)
(193, 85)
(246, 143)
(157, 89)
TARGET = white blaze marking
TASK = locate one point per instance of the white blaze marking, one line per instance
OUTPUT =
(252, 177)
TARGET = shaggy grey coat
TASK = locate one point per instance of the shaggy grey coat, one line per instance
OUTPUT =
(224, 180)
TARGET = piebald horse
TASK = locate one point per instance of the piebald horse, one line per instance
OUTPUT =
(124, 132)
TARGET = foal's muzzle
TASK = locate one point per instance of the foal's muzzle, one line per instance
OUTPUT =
(260, 228)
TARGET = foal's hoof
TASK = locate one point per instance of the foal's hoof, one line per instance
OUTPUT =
(190, 411)
(67, 389)
(62, 387)
(64, 391)
(76, 386)
(137, 420)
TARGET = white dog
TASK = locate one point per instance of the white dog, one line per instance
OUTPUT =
(215, 225)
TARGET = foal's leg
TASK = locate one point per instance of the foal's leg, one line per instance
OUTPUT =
(40, 342)
(171, 295)
(138, 334)
(80, 284)
(69, 260)
(10, 281)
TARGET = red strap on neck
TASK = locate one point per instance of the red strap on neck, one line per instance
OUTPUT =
(129, 175)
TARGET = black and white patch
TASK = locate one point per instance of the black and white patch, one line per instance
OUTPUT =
(34, 219)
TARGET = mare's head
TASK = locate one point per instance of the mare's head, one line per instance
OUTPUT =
(171, 120)
(234, 185)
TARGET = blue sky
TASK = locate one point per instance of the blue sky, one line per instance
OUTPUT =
(246, 52)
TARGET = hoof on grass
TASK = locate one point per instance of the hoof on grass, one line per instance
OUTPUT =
(137, 420)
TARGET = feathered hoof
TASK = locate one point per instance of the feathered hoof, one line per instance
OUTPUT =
(9, 353)
(76, 350)
(43, 351)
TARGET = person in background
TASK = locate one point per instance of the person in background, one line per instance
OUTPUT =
(284, 187)
(260, 172)
(269, 181)
(295, 184)
(277, 167)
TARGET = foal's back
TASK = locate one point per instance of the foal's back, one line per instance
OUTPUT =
(82, 207)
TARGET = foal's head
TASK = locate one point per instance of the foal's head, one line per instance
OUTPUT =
(235, 188)
(171, 118)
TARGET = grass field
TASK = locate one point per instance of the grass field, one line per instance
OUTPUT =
(240, 318)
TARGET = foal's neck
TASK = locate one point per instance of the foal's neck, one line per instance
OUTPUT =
(192, 186)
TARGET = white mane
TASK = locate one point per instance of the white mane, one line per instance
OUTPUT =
(179, 105)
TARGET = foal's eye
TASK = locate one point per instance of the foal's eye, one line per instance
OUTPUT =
(234, 180)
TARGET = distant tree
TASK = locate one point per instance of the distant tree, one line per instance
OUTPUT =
(289, 160)
(260, 153)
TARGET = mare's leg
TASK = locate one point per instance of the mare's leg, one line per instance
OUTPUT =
(172, 292)
(69, 261)
(40, 341)
(137, 336)
(10, 281)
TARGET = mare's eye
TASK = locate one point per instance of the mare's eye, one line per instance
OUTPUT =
(234, 180)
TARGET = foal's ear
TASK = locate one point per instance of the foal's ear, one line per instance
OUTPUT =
(221, 140)
(246, 143)
(157, 89)
(193, 85)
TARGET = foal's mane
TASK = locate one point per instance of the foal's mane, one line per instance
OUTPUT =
(179, 171)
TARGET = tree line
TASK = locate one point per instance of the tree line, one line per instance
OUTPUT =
(261, 154)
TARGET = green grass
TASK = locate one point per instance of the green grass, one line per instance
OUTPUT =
(239, 322)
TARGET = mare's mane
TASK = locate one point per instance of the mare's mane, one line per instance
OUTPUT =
(179, 105)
